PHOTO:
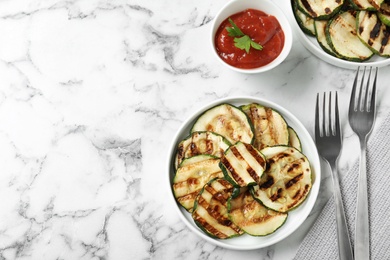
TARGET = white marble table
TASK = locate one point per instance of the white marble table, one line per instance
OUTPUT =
(91, 94)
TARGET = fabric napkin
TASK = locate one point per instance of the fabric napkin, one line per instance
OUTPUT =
(321, 240)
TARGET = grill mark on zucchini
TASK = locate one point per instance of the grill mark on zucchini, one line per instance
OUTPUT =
(236, 153)
(374, 33)
(232, 171)
(298, 196)
(194, 149)
(270, 181)
(308, 8)
(277, 158)
(295, 165)
(255, 117)
(221, 197)
(320, 9)
(258, 158)
(293, 181)
(277, 195)
(385, 39)
(253, 174)
(269, 114)
(189, 196)
(254, 153)
(213, 211)
(192, 181)
(180, 151)
(209, 146)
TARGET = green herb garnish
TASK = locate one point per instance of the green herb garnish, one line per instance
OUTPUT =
(242, 41)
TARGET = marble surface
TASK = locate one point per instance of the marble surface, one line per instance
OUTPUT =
(91, 95)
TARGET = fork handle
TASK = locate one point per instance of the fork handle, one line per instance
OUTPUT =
(362, 229)
(344, 242)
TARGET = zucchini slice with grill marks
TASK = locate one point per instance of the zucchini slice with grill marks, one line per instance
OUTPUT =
(320, 27)
(343, 38)
(228, 121)
(252, 217)
(201, 143)
(270, 128)
(374, 33)
(242, 164)
(286, 182)
(294, 140)
(320, 9)
(305, 22)
(193, 173)
(210, 210)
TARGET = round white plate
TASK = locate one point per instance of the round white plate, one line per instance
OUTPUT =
(295, 218)
(312, 45)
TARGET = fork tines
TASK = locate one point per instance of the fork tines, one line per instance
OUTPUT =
(364, 104)
(330, 124)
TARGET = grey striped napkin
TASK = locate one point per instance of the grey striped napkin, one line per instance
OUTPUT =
(321, 240)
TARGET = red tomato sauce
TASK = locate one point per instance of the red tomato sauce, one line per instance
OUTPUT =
(261, 28)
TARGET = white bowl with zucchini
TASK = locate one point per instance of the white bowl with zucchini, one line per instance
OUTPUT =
(346, 33)
(244, 173)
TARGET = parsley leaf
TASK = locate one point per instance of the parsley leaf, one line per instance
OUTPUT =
(242, 41)
(234, 31)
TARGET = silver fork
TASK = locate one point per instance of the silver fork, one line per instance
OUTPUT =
(361, 118)
(328, 141)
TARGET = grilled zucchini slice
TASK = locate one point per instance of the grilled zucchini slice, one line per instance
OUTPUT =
(286, 182)
(210, 210)
(342, 37)
(294, 140)
(270, 128)
(320, 27)
(320, 10)
(374, 33)
(193, 173)
(228, 121)
(242, 164)
(305, 22)
(201, 143)
(253, 217)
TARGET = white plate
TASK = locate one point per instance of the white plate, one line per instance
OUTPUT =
(312, 45)
(295, 218)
